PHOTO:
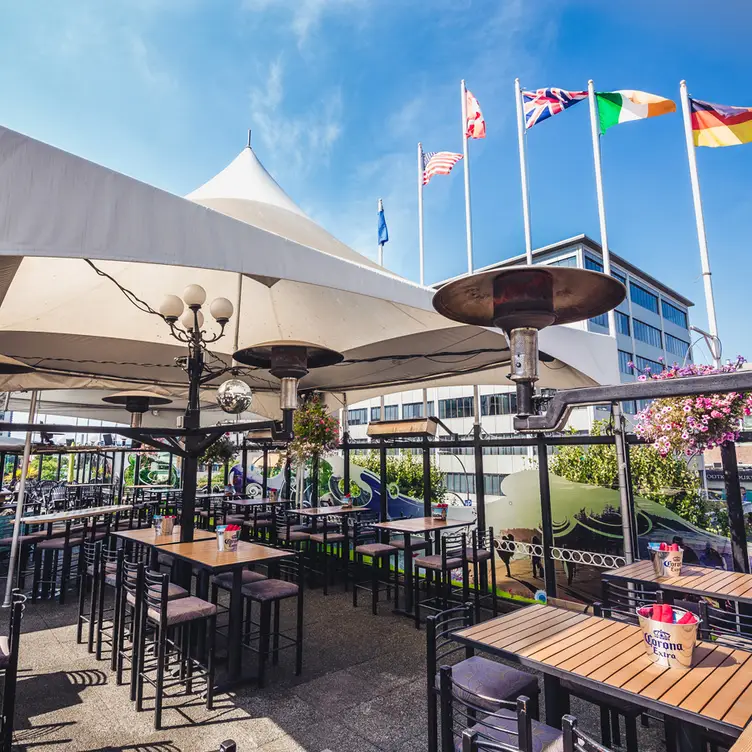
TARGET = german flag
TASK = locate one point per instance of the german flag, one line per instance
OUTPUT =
(720, 124)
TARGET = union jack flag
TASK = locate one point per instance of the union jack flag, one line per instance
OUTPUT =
(543, 103)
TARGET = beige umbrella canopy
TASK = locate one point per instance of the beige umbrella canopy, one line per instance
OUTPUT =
(87, 254)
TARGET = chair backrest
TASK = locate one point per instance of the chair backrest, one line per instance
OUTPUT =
(575, 740)
(440, 644)
(453, 546)
(131, 579)
(620, 601)
(580, 608)
(93, 554)
(156, 593)
(473, 742)
(363, 530)
(511, 724)
(730, 628)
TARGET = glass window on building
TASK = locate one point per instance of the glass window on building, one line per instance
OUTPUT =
(460, 407)
(618, 275)
(357, 417)
(498, 404)
(629, 407)
(566, 261)
(624, 359)
(492, 483)
(376, 413)
(674, 315)
(507, 451)
(593, 265)
(412, 410)
(622, 323)
(653, 365)
(601, 320)
(643, 297)
(677, 346)
(646, 333)
(391, 412)
(461, 483)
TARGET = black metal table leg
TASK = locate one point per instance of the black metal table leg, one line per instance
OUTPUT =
(556, 701)
(235, 627)
(407, 554)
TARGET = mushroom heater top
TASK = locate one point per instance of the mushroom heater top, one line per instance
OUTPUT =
(523, 300)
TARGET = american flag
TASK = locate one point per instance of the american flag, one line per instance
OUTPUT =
(438, 163)
(543, 103)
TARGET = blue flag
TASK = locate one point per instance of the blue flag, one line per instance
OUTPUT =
(383, 231)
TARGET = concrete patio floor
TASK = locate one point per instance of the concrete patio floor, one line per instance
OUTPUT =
(362, 690)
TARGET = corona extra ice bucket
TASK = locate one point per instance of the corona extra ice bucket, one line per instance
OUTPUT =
(669, 645)
(667, 563)
(168, 525)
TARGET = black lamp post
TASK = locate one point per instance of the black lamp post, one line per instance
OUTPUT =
(187, 311)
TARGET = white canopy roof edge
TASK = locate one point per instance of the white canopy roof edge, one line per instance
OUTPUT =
(298, 283)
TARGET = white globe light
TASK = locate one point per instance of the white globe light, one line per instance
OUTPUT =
(234, 396)
(194, 295)
(171, 307)
(187, 319)
(221, 309)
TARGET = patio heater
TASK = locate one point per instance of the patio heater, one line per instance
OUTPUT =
(289, 361)
(137, 403)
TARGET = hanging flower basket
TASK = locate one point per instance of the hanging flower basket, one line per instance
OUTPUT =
(314, 432)
(221, 451)
(690, 425)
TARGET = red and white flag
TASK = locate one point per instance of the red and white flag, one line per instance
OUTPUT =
(438, 163)
(476, 125)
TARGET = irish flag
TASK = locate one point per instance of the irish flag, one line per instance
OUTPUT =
(616, 107)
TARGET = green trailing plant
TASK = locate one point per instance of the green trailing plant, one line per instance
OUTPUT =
(221, 451)
(315, 433)
(667, 480)
(405, 472)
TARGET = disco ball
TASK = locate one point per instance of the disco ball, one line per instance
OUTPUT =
(234, 396)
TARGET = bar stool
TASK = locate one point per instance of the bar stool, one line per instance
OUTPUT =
(452, 557)
(269, 594)
(480, 554)
(333, 535)
(285, 533)
(49, 550)
(163, 613)
(380, 554)
(89, 582)
(9, 666)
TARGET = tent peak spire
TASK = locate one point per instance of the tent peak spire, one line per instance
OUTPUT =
(249, 139)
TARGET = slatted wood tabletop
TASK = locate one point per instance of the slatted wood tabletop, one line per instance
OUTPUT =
(420, 525)
(148, 536)
(694, 579)
(744, 742)
(609, 656)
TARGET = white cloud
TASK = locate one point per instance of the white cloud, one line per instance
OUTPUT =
(305, 16)
(294, 142)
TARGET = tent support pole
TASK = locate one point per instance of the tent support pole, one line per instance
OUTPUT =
(12, 563)
(549, 571)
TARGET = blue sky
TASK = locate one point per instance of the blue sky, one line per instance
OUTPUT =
(339, 92)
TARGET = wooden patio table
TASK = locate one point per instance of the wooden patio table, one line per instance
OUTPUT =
(609, 657)
(744, 742)
(206, 556)
(695, 580)
(74, 514)
(415, 526)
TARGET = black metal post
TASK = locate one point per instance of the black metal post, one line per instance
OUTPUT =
(480, 486)
(209, 468)
(315, 480)
(426, 479)
(192, 419)
(630, 497)
(549, 570)
(244, 466)
(15, 466)
(288, 478)
(265, 474)
(169, 469)
(346, 459)
(226, 475)
(39, 472)
(384, 485)
(735, 512)
(59, 465)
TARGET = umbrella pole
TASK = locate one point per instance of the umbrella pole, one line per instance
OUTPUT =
(20, 504)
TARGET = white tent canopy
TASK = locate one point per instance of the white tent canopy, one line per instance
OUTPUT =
(297, 282)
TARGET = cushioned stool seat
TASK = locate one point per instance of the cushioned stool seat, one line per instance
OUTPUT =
(416, 544)
(58, 544)
(270, 590)
(185, 609)
(330, 538)
(258, 523)
(110, 568)
(434, 562)
(375, 549)
(224, 580)
(235, 519)
(294, 535)
(486, 684)
(174, 593)
(481, 554)
(545, 738)
(23, 539)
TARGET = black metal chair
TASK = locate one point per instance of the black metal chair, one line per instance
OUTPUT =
(110, 572)
(286, 531)
(452, 557)
(9, 665)
(131, 586)
(49, 570)
(575, 740)
(365, 543)
(511, 724)
(731, 628)
(481, 554)
(269, 593)
(489, 683)
(89, 584)
(163, 614)
(329, 546)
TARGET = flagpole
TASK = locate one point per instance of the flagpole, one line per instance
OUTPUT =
(523, 171)
(468, 218)
(700, 221)
(420, 211)
(379, 209)
(595, 128)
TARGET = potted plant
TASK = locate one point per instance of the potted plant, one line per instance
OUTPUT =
(314, 432)
(690, 425)
(221, 451)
